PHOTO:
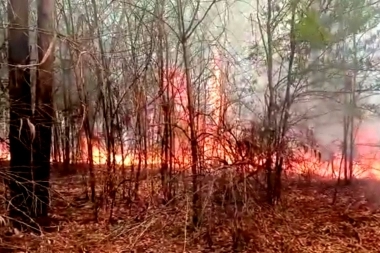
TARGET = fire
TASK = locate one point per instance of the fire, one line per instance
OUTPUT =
(366, 163)
(366, 159)
(364, 167)
(99, 155)
(216, 144)
(4, 152)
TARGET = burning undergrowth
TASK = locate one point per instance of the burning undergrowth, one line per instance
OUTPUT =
(139, 208)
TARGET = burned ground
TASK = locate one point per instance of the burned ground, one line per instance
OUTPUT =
(309, 219)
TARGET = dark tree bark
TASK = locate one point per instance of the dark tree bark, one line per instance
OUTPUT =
(20, 98)
(44, 112)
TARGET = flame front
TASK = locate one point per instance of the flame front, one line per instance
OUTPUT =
(217, 145)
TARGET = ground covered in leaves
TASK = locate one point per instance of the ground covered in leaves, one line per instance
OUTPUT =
(307, 220)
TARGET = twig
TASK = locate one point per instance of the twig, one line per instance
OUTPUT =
(44, 59)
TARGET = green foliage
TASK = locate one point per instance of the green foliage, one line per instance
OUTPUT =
(350, 16)
(309, 29)
(354, 17)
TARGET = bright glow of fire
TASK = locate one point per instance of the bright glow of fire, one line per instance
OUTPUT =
(4, 153)
(363, 167)
(214, 145)
(366, 158)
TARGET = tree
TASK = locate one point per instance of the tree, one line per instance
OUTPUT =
(354, 20)
(20, 127)
(303, 51)
(44, 113)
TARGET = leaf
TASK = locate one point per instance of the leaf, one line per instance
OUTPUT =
(309, 29)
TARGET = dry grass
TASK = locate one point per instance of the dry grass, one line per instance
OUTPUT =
(305, 221)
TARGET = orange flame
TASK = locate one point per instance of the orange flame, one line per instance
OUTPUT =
(216, 145)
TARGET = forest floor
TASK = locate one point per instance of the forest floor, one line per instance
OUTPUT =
(305, 221)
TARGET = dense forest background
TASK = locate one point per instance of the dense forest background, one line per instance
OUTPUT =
(189, 125)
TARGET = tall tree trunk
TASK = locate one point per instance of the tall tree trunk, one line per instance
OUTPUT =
(57, 144)
(20, 98)
(166, 105)
(270, 120)
(353, 109)
(44, 113)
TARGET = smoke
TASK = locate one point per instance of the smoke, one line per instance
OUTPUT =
(367, 138)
